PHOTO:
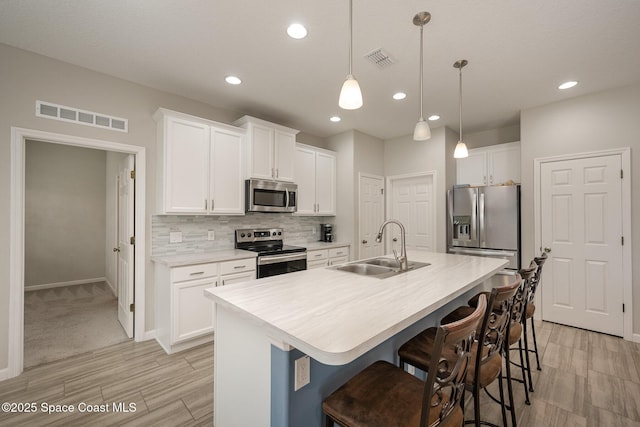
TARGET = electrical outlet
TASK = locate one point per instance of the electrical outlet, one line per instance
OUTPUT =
(211, 235)
(302, 372)
(411, 369)
(175, 236)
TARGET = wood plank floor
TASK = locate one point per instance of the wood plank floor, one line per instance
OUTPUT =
(587, 379)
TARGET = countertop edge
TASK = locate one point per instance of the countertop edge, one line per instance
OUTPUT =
(203, 257)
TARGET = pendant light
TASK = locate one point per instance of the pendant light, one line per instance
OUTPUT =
(350, 95)
(461, 148)
(422, 131)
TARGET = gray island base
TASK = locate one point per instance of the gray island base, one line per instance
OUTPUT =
(342, 321)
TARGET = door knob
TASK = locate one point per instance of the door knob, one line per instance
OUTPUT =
(395, 239)
(364, 242)
(547, 250)
(116, 249)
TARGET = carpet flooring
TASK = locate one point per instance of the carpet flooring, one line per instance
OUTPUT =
(62, 322)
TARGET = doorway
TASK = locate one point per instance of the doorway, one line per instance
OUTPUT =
(582, 219)
(411, 201)
(17, 243)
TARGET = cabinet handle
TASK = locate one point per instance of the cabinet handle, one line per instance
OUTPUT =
(240, 266)
(317, 255)
(364, 242)
(205, 204)
(338, 253)
(490, 179)
(212, 205)
(273, 173)
(484, 179)
(277, 172)
(196, 273)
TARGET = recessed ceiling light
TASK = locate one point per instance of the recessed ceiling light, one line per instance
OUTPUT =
(399, 95)
(297, 31)
(233, 80)
(335, 119)
(434, 117)
(567, 85)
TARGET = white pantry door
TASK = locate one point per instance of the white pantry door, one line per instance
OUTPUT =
(581, 216)
(126, 192)
(412, 204)
(371, 216)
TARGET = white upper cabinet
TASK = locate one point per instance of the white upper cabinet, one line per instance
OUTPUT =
(270, 149)
(491, 165)
(315, 174)
(200, 165)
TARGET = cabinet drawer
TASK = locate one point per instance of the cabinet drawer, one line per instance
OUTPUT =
(338, 260)
(338, 252)
(319, 263)
(238, 265)
(317, 255)
(191, 272)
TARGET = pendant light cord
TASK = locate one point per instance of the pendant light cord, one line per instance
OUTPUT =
(460, 103)
(421, 69)
(350, 36)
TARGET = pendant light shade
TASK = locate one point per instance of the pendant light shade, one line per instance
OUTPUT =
(350, 95)
(422, 132)
(461, 148)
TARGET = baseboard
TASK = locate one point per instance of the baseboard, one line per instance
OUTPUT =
(4, 374)
(61, 284)
(148, 335)
(115, 294)
(636, 338)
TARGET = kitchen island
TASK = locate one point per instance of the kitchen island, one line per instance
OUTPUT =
(341, 320)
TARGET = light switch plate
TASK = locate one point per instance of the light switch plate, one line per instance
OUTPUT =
(211, 235)
(302, 372)
(175, 236)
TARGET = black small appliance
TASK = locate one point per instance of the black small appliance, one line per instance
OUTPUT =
(326, 233)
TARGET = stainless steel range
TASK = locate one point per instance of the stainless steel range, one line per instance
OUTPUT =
(274, 257)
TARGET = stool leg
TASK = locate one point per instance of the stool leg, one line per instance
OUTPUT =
(522, 369)
(526, 351)
(510, 389)
(503, 404)
(535, 343)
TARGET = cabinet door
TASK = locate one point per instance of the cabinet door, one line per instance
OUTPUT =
(285, 152)
(305, 177)
(230, 279)
(227, 184)
(261, 149)
(504, 164)
(473, 169)
(187, 167)
(192, 312)
(325, 184)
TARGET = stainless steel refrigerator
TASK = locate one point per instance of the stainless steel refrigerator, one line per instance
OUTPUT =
(485, 221)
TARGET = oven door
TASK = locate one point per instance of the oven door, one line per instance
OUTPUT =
(272, 265)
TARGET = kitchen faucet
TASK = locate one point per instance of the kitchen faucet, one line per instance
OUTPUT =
(402, 259)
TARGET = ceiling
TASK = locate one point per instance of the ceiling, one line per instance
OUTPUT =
(519, 51)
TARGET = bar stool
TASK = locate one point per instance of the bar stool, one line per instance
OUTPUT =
(384, 395)
(486, 360)
(518, 319)
(531, 308)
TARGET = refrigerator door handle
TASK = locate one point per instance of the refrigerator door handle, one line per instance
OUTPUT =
(482, 236)
(473, 233)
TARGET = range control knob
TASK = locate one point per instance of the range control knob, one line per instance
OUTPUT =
(273, 234)
(248, 234)
(241, 234)
(279, 233)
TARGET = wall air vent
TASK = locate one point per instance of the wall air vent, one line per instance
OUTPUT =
(380, 58)
(74, 115)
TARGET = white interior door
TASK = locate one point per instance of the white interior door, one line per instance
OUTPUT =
(125, 249)
(581, 219)
(412, 204)
(371, 216)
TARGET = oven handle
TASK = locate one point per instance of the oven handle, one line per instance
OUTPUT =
(273, 259)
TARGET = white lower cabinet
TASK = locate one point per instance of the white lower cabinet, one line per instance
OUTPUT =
(184, 316)
(317, 258)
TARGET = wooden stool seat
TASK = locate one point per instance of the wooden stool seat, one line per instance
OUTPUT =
(383, 396)
(531, 309)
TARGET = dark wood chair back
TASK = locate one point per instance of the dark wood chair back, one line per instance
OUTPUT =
(444, 386)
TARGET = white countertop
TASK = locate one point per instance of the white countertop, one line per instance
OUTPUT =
(202, 258)
(335, 316)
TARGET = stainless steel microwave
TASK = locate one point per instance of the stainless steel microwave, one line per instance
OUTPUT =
(270, 196)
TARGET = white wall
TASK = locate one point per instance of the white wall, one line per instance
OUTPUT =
(604, 120)
(27, 77)
(403, 155)
(64, 214)
(492, 136)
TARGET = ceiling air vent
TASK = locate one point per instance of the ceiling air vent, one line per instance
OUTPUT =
(74, 115)
(380, 58)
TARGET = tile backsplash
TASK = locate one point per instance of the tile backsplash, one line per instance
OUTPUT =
(195, 229)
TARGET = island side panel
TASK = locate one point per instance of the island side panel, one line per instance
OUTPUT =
(242, 372)
(305, 405)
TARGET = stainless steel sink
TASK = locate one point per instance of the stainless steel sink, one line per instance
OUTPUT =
(380, 268)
